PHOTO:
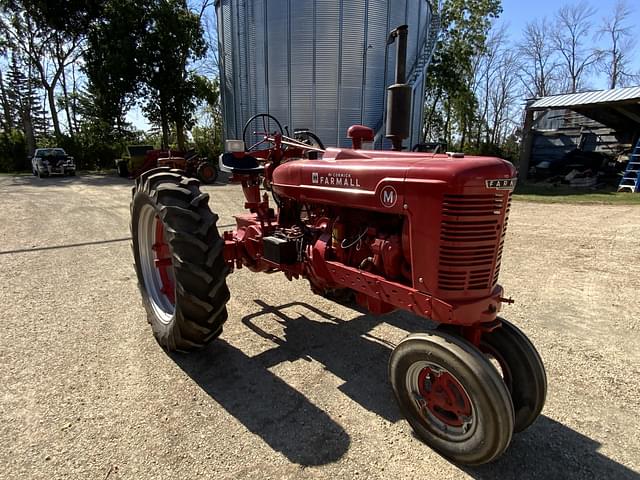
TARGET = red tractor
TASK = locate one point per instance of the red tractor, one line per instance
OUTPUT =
(143, 158)
(419, 232)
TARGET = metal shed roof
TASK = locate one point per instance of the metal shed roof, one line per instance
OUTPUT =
(628, 94)
(618, 108)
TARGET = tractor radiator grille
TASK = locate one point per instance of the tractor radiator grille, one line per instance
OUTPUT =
(471, 241)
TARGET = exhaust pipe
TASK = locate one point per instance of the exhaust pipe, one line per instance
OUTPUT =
(399, 94)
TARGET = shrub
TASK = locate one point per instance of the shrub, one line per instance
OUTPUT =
(13, 152)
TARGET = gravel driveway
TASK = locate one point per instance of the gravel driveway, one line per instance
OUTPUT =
(296, 387)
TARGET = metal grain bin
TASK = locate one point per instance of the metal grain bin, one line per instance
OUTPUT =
(319, 64)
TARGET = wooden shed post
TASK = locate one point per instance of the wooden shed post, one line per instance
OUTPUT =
(527, 143)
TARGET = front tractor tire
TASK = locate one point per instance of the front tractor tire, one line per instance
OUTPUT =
(522, 370)
(452, 396)
(520, 366)
(207, 173)
(179, 259)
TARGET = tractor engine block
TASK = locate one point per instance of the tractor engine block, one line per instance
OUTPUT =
(373, 244)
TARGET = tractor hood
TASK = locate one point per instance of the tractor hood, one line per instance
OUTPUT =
(377, 180)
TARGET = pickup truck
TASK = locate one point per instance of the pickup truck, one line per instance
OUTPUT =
(52, 161)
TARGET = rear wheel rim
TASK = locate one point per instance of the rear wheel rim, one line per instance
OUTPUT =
(441, 401)
(156, 264)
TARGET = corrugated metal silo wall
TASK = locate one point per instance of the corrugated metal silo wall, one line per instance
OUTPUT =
(317, 64)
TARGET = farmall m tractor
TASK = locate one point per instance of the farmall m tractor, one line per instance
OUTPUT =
(413, 231)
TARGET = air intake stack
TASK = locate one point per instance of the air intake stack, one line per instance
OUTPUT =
(399, 94)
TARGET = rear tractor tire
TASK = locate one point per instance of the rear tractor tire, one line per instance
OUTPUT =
(179, 259)
(452, 396)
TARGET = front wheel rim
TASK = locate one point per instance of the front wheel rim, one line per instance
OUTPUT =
(156, 264)
(442, 403)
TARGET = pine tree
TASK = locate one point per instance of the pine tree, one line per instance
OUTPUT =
(24, 104)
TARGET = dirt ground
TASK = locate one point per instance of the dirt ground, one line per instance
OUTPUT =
(297, 386)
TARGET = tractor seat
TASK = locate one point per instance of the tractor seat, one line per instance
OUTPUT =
(246, 165)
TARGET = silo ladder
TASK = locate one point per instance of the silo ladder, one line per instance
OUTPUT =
(428, 49)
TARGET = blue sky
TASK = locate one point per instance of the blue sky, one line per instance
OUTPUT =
(517, 13)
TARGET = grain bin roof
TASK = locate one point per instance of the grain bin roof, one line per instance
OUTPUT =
(618, 108)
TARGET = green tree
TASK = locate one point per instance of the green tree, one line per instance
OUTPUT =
(72, 17)
(173, 40)
(24, 104)
(115, 57)
(6, 120)
(207, 135)
(47, 50)
(451, 102)
(12, 151)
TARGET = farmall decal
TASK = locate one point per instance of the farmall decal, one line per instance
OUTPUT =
(502, 184)
(333, 179)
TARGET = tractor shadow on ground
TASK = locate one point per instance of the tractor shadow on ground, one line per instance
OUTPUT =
(266, 405)
(286, 420)
(346, 348)
(551, 450)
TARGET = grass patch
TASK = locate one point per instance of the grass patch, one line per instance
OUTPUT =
(550, 193)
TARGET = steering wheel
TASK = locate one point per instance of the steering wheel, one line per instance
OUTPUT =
(266, 118)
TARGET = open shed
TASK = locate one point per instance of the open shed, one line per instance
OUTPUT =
(605, 121)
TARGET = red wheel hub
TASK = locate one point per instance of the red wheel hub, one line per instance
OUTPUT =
(163, 262)
(207, 172)
(445, 398)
